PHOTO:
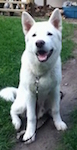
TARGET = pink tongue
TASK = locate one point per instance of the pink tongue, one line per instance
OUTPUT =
(42, 57)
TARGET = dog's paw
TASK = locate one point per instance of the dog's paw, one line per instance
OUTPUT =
(60, 125)
(29, 137)
(16, 123)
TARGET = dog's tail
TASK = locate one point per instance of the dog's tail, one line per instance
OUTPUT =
(9, 93)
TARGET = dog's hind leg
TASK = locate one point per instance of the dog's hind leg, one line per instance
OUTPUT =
(15, 111)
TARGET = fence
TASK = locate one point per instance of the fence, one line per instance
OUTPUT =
(12, 10)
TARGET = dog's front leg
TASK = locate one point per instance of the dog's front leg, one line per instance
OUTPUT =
(29, 135)
(59, 124)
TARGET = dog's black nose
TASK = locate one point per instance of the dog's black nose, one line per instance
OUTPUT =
(40, 43)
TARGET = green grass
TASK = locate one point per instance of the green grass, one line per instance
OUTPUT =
(67, 43)
(67, 47)
(69, 138)
(11, 48)
(7, 132)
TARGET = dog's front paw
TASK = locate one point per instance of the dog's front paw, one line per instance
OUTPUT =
(60, 125)
(29, 137)
(16, 123)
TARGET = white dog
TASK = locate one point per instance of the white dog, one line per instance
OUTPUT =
(40, 63)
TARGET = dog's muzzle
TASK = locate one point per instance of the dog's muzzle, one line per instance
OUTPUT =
(43, 56)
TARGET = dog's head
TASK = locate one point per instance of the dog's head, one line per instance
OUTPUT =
(43, 39)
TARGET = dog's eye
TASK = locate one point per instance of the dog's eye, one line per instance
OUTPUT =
(50, 34)
(34, 35)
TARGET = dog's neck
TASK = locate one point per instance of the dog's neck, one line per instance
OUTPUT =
(39, 69)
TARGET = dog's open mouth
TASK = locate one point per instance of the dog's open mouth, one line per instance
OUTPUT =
(43, 55)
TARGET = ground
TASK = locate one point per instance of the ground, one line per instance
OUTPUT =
(47, 136)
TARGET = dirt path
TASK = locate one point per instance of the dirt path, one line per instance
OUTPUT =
(47, 136)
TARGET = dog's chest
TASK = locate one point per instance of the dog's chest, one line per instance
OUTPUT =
(42, 87)
(43, 84)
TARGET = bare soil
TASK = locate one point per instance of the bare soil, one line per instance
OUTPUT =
(48, 137)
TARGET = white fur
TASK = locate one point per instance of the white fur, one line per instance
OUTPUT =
(8, 93)
(49, 73)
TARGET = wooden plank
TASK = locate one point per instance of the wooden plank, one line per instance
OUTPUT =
(32, 8)
(11, 10)
(13, 2)
(45, 3)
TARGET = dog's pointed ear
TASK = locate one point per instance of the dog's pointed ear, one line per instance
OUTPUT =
(27, 22)
(56, 19)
